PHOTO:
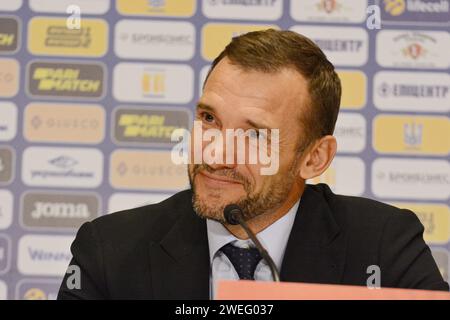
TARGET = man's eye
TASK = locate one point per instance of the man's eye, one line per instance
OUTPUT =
(207, 117)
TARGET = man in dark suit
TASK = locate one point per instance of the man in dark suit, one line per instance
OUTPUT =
(279, 85)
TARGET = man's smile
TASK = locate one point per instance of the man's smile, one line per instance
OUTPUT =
(217, 181)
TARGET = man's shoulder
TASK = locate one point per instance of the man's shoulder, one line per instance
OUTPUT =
(359, 212)
(150, 221)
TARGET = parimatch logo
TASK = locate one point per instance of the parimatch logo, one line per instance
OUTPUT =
(69, 80)
(9, 33)
(149, 125)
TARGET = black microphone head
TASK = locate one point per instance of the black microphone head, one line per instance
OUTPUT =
(232, 214)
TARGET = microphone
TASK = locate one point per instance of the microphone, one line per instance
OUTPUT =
(234, 216)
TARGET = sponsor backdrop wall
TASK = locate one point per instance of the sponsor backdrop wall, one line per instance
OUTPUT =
(86, 115)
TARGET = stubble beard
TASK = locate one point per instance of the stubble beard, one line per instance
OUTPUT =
(272, 195)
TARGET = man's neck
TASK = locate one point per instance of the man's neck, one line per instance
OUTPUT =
(261, 222)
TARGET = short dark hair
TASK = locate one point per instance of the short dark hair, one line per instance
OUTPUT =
(272, 50)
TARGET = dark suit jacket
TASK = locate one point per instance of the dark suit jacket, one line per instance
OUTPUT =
(161, 251)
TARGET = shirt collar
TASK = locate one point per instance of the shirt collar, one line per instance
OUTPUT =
(274, 238)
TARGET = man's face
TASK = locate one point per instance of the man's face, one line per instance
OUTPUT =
(238, 99)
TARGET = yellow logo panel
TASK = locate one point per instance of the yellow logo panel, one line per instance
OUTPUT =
(434, 217)
(215, 37)
(423, 135)
(51, 36)
(328, 177)
(9, 77)
(354, 88)
(170, 8)
(146, 170)
(61, 123)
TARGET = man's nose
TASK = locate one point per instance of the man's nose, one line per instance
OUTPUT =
(227, 158)
(226, 152)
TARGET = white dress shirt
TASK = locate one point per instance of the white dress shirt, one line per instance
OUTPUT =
(274, 238)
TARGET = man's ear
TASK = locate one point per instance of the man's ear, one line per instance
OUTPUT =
(317, 158)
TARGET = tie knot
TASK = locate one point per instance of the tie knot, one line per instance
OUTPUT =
(244, 260)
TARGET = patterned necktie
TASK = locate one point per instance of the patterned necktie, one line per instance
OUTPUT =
(243, 260)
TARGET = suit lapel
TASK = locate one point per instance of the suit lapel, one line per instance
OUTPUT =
(315, 252)
(180, 262)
